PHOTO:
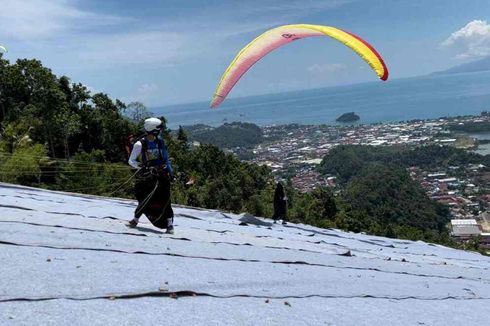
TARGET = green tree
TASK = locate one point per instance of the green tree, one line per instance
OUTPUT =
(386, 195)
(136, 111)
(24, 165)
(182, 139)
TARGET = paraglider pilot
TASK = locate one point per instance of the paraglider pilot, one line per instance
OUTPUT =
(280, 204)
(152, 187)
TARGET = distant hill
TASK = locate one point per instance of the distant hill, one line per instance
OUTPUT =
(229, 135)
(474, 66)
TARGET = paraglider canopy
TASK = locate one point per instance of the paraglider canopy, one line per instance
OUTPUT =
(279, 36)
(3, 49)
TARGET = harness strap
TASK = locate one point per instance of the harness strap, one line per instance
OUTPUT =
(144, 149)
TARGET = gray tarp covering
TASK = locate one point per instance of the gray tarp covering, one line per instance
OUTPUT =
(69, 259)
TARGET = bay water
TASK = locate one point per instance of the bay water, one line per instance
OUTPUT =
(395, 100)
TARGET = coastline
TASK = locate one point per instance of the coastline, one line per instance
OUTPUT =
(398, 100)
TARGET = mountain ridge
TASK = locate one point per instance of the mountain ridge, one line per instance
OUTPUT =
(479, 65)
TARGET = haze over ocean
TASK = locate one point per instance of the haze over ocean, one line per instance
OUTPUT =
(396, 100)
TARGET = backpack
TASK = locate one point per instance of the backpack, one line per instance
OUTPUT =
(131, 140)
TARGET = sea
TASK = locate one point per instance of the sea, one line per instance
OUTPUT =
(483, 149)
(396, 100)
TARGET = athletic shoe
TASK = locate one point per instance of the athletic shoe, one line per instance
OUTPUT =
(132, 224)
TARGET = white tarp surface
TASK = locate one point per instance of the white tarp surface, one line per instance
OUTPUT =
(69, 259)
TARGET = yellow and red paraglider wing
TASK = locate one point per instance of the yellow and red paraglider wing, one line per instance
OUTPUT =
(277, 37)
(360, 46)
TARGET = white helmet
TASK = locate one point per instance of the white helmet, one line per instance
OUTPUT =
(153, 124)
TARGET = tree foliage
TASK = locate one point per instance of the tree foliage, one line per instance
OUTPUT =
(229, 135)
(379, 195)
(347, 160)
(472, 126)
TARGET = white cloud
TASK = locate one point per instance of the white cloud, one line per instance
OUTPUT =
(471, 41)
(282, 10)
(239, 17)
(148, 93)
(71, 37)
(319, 69)
(147, 89)
(61, 33)
(92, 47)
(39, 19)
(129, 48)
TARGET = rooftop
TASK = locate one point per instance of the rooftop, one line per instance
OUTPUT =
(469, 221)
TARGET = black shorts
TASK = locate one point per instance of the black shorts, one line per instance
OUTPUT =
(152, 190)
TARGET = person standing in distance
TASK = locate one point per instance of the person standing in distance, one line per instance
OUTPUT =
(152, 187)
(280, 204)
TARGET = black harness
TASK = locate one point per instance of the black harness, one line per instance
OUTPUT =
(144, 149)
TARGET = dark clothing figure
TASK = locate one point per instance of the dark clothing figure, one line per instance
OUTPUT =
(152, 190)
(280, 204)
(152, 187)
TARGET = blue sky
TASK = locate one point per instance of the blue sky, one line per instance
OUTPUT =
(167, 52)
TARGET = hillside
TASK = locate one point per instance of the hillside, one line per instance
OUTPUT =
(474, 66)
(69, 259)
(228, 135)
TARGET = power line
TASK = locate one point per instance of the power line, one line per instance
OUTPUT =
(62, 160)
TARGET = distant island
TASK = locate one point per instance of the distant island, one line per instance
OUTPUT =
(473, 66)
(348, 117)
